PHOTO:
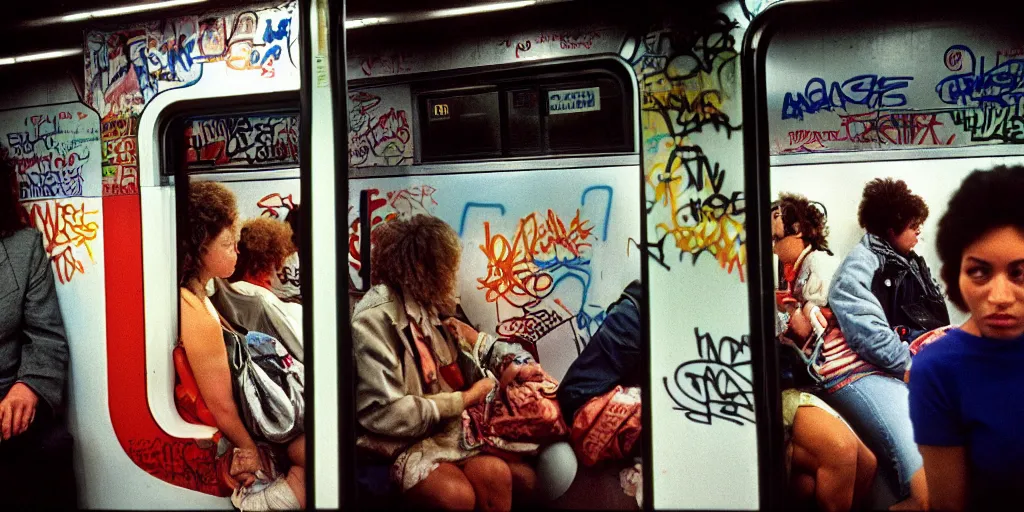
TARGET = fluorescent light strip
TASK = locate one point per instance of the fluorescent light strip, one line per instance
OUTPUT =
(111, 11)
(479, 9)
(443, 13)
(47, 55)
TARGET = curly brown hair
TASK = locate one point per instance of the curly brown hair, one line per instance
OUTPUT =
(797, 209)
(212, 208)
(263, 245)
(418, 256)
(966, 221)
(12, 214)
(889, 204)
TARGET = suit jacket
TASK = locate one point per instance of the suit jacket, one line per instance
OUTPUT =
(33, 346)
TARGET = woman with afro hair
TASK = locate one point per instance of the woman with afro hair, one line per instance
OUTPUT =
(964, 399)
(883, 296)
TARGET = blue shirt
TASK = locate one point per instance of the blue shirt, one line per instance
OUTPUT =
(969, 391)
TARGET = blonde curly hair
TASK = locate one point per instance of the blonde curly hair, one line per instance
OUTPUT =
(418, 256)
(263, 245)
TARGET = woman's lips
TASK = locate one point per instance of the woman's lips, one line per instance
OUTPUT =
(1001, 320)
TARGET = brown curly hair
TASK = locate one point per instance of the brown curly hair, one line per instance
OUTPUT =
(263, 245)
(797, 209)
(13, 216)
(418, 256)
(212, 208)
(889, 204)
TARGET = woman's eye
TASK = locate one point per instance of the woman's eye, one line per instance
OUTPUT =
(977, 272)
(1017, 273)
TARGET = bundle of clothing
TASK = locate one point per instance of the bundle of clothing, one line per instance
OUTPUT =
(516, 419)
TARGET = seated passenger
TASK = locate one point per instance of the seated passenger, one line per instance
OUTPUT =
(263, 245)
(825, 459)
(36, 467)
(965, 400)
(210, 250)
(285, 282)
(883, 296)
(414, 382)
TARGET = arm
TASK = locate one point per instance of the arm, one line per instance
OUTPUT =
(382, 405)
(938, 429)
(862, 319)
(44, 356)
(612, 353)
(945, 469)
(204, 348)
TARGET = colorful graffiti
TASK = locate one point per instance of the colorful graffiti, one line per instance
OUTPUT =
(872, 130)
(52, 149)
(126, 69)
(379, 134)
(68, 230)
(275, 205)
(688, 77)
(716, 384)
(252, 139)
(523, 275)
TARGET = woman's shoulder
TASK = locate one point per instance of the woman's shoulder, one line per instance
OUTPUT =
(23, 240)
(379, 300)
(194, 315)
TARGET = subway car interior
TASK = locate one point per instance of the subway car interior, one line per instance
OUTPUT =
(538, 254)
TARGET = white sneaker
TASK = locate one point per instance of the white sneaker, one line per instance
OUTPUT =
(265, 495)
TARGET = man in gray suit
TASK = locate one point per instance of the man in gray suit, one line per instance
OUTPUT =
(35, 447)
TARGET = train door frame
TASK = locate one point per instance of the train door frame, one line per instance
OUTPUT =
(347, 365)
(757, 168)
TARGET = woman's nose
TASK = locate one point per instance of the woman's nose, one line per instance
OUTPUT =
(1001, 292)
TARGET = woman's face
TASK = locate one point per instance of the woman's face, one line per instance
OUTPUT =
(992, 283)
(905, 241)
(222, 253)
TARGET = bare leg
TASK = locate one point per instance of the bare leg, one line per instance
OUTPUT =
(918, 499)
(524, 483)
(492, 482)
(824, 446)
(867, 468)
(801, 487)
(445, 488)
(297, 451)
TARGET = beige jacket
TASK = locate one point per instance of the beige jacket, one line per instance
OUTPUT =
(390, 400)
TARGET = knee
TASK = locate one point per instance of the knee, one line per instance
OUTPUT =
(492, 472)
(443, 491)
(843, 450)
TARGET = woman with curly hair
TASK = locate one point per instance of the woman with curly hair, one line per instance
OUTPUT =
(825, 459)
(964, 388)
(883, 296)
(210, 250)
(414, 380)
(263, 246)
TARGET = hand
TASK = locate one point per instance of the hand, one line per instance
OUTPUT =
(800, 324)
(522, 373)
(461, 331)
(245, 463)
(478, 393)
(783, 298)
(17, 410)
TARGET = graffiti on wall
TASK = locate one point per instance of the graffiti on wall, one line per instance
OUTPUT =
(242, 140)
(379, 131)
(180, 462)
(974, 101)
(688, 79)
(578, 39)
(716, 384)
(126, 69)
(68, 228)
(53, 149)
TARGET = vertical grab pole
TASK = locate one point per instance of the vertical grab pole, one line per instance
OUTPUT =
(364, 240)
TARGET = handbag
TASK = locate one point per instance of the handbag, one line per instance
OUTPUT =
(268, 386)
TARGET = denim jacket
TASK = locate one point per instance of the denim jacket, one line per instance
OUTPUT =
(876, 292)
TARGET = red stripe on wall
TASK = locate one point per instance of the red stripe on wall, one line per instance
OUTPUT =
(181, 462)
